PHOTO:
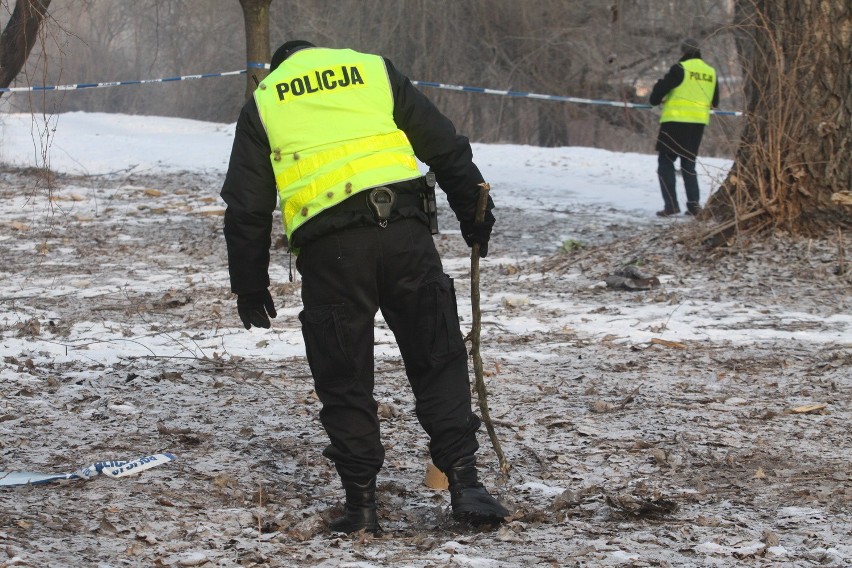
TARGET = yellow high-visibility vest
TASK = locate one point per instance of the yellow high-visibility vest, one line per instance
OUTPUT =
(328, 114)
(690, 101)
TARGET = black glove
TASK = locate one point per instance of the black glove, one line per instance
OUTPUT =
(474, 232)
(253, 308)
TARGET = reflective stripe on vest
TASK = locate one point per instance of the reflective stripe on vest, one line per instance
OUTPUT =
(328, 114)
(690, 101)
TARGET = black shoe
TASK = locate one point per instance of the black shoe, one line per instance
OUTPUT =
(668, 212)
(470, 500)
(360, 510)
(693, 210)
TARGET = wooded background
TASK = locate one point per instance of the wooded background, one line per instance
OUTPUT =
(611, 50)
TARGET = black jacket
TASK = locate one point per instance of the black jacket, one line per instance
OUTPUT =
(250, 193)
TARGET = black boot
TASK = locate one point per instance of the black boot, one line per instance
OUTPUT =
(668, 212)
(360, 510)
(470, 500)
(693, 208)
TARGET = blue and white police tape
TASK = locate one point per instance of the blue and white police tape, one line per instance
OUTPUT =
(106, 468)
(77, 86)
(461, 88)
(524, 94)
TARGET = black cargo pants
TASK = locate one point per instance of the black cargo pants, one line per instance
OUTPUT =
(347, 277)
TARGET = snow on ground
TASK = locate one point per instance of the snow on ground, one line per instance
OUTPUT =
(667, 426)
(541, 183)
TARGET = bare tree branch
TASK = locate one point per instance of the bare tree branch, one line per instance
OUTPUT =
(19, 37)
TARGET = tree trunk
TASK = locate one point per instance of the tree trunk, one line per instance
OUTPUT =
(256, 16)
(19, 37)
(793, 166)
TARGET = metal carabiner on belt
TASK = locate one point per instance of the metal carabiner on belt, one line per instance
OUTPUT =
(382, 200)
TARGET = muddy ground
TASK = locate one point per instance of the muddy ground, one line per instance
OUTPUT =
(115, 318)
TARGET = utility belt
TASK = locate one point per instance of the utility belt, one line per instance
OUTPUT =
(413, 198)
(383, 201)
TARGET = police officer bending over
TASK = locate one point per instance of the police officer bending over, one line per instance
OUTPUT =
(336, 132)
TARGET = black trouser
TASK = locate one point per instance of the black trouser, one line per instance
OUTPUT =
(666, 171)
(678, 140)
(347, 277)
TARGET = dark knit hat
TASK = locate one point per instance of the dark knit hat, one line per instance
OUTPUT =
(689, 45)
(287, 49)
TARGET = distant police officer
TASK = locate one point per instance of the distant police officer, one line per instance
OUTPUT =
(336, 132)
(687, 93)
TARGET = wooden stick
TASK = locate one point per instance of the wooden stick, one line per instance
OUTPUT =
(475, 330)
